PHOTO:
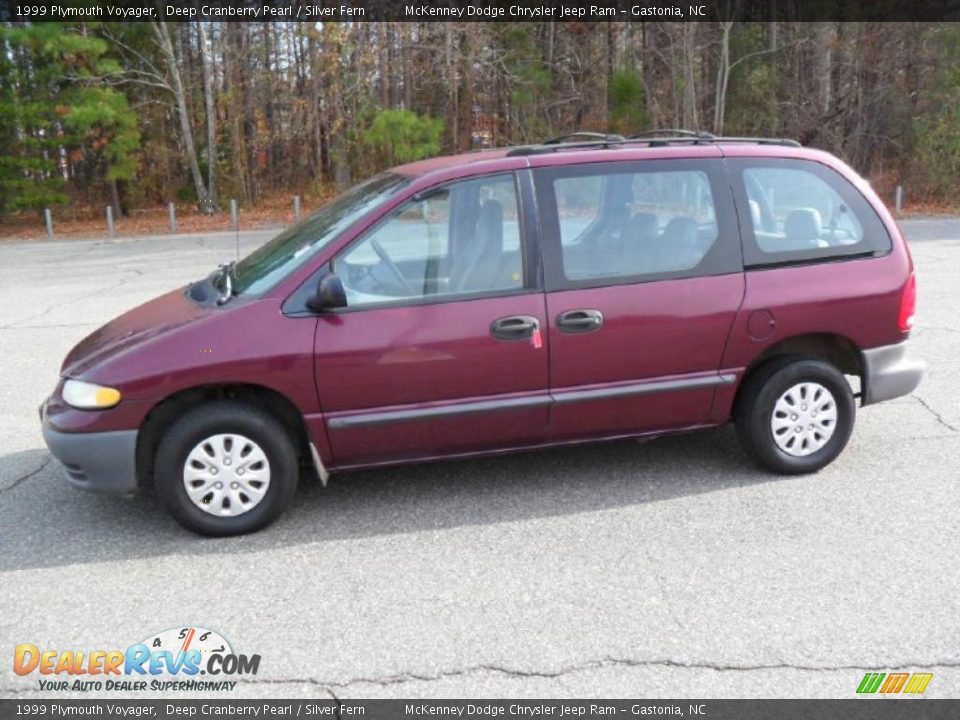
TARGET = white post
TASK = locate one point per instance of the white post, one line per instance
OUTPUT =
(296, 207)
(49, 218)
(233, 214)
(899, 198)
(173, 217)
(110, 227)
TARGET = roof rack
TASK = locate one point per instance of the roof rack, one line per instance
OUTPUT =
(650, 138)
(584, 134)
(673, 132)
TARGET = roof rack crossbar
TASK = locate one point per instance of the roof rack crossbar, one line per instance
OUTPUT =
(672, 132)
(759, 141)
(607, 137)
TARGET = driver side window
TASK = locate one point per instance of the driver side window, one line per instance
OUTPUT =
(461, 238)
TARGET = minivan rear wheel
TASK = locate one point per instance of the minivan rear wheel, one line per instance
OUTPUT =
(226, 468)
(795, 415)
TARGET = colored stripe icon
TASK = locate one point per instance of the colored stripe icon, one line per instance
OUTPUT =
(870, 682)
(894, 683)
(918, 682)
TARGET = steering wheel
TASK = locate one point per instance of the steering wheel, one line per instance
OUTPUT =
(392, 267)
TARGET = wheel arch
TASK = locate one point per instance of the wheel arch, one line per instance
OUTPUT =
(837, 350)
(162, 415)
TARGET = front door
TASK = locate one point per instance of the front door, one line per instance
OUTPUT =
(440, 349)
(644, 280)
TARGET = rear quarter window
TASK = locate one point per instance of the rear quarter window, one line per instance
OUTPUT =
(797, 211)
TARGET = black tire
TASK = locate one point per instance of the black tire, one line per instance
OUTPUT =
(755, 407)
(224, 417)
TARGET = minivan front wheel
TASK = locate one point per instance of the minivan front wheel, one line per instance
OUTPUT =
(795, 415)
(226, 468)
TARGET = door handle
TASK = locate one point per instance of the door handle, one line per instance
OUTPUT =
(579, 321)
(514, 327)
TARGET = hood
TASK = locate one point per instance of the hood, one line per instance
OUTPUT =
(132, 329)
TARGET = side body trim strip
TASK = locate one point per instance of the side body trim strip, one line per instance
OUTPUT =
(560, 396)
(466, 408)
(644, 388)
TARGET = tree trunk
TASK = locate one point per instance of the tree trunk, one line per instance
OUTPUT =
(611, 66)
(648, 57)
(723, 78)
(383, 60)
(115, 198)
(333, 42)
(822, 65)
(466, 94)
(314, 103)
(452, 84)
(407, 66)
(189, 149)
(206, 58)
(691, 118)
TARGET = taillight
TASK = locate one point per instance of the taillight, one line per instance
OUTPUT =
(908, 304)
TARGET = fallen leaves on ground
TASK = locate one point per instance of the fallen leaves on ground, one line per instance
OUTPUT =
(74, 222)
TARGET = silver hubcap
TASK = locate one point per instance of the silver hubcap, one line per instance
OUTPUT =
(804, 419)
(226, 475)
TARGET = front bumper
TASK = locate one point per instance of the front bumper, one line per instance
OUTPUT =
(890, 372)
(102, 461)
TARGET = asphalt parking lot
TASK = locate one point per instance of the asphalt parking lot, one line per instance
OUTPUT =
(670, 568)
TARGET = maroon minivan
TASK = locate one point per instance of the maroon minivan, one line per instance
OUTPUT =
(505, 300)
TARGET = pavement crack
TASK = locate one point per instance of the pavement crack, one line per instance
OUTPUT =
(46, 327)
(935, 414)
(938, 328)
(24, 478)
(760, 667)
(662, 587)
(607, 662)
(18, 324)
(329, 687)
(336, 700)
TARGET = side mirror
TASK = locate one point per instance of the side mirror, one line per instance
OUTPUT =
(330, 294)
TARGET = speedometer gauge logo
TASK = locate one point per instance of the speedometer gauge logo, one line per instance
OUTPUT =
(182, 640)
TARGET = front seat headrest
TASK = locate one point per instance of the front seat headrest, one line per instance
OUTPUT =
(643, 226)
(803, 228)
(681, 230)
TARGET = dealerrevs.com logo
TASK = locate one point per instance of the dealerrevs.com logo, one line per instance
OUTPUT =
(166, 661)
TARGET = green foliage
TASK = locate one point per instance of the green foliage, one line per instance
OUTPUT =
(749, 110)
(58, 116)
(755, 85)
(104, 121)
(628, 106)
(533, 80)
(403, 136)
(186, 193)
(939, 149)
(937, 129)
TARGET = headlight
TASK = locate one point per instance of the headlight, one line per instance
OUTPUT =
(87, 396)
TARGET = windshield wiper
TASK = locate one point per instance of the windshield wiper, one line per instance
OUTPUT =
(223, 281)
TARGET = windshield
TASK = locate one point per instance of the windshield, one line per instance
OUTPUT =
(264, 267)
